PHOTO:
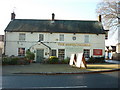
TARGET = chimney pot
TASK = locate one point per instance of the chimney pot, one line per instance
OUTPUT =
(13, 16)
(99, 18)
(53, 16)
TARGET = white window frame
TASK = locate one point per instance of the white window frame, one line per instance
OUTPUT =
(61, 55)
(41, 37)
(22, 36)
(54, 50)
(22, 53)
(61, 37)
(86, 52)
(86, 39)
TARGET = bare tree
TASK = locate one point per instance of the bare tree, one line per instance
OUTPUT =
(108, 9)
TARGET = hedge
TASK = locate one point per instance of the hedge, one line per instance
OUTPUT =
(96, 60)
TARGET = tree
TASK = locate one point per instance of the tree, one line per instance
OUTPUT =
(109, 10)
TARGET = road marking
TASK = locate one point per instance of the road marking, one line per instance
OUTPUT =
(29, 88)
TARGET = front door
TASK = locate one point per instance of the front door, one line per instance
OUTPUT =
(40, 55)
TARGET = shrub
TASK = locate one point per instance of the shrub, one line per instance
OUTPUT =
(96, 60)
(30, 55)
(65, 61)
(6, 60)
(53, 60)
(14, 61)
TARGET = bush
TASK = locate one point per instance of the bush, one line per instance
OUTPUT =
(30, 55)
(14, 61)
(6, 60)
(53, 60)
(96, 60)
(65, 61)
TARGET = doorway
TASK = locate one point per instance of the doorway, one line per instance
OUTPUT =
(40, 55)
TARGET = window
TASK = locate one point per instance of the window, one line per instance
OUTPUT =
(87, 53)
(22, 36)
(21, 51)
(53, 52)
(61, 54)
(106, 34)
(61, 38)
(86, 39)
(41, 37)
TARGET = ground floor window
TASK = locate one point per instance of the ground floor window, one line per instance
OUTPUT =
(21, 51)
(61, 54)
(87, 53)
(53, 52)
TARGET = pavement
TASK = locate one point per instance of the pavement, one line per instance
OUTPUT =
(54, 69)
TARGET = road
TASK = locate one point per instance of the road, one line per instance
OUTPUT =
(98, 80)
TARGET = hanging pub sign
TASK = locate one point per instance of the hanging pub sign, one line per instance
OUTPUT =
(97, 51)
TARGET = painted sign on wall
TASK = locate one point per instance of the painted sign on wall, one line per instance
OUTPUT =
(97, 51)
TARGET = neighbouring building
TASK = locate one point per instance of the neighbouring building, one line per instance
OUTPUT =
(53, 37)
(2, 44)
(112, 43)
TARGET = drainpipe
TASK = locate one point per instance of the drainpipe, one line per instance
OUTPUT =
(5, 43)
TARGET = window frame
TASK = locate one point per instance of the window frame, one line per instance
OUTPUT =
(21, 53)
(41, 37)
(22, 36)
(86, 53)
(86, 39)
(52, 54)
(61, 54)
(61, 37)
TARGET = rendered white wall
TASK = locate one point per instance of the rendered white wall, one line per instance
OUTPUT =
(52, 40)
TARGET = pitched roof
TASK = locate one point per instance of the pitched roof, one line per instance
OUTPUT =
(58, 26)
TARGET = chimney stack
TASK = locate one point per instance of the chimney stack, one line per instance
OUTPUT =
(13, 16)
(99, 18)
(53, 16)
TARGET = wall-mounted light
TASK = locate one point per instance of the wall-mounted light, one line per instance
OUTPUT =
(39, 42)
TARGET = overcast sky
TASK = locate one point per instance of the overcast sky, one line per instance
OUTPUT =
(42, 9)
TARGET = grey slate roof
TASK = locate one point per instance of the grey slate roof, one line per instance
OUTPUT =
(59, 26)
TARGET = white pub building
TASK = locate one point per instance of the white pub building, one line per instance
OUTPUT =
(59, 38)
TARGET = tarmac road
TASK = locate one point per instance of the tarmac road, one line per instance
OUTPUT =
(96, 80)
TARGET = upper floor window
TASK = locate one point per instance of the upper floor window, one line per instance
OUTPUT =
(41, 37)
(86, 39)
(61, 37)
(22, 36)
(106, 34)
